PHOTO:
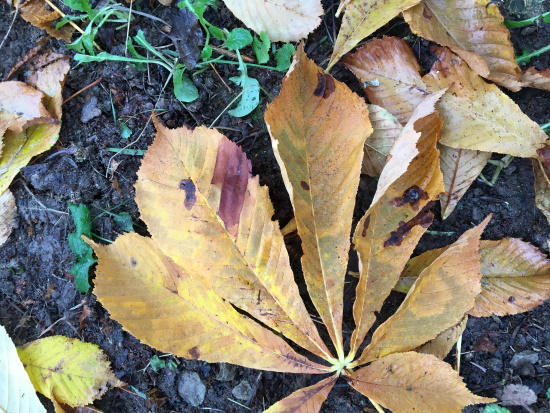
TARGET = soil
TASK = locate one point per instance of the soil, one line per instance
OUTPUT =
(37, 293)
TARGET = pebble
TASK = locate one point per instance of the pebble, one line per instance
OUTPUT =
(242, 391)
(524, 357)
(226, 372)
(528, 30)
(191, 388)
(89, 110)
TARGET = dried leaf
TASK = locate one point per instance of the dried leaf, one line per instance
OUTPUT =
(187, 35)
(438, 300)
(516, 276)
(413, 382)
(8, 210)
(361, 19)
(282, 20)
(444, 342)
(542, 187)
(386, 130)
(532, 77)
(160, 303)
(305, 400)
(223, 234)
(39, 15)
(318, 128)
(73, 372)
(399, 214)
(474, 30)
(517, 395)
(16, 390)
(460, 168)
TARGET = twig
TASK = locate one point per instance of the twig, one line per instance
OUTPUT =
(40, 203)
(50, 327)
(82, 90)
(221, 78)
(231, 54)
(11, 25)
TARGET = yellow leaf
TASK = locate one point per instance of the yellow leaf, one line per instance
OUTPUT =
(19, 148)
(8, 210)
(398, 216)
(37, 13)
(516, 276)
(305, 400)
(282, 20)
(73, 372)
(460, 168)
(17, 393)
(439, 298)
(206, 212)
(444, 342)
(542, 188)
(362, 18)
(474, 30)
(413, 382)
(532, 77)
(386, 130)
(158, 302)
(318, 128)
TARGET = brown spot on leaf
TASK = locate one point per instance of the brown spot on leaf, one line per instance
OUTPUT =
(325, 85)
(511, 299)
(424, 218)
(304, 185)
(190, 192)
(426, 13)
(133, 262)
(231, 174)
(365, 226)
(544, 154)
(194, 353)
(412, 197)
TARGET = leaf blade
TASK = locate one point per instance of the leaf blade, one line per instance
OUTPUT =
(305, 400)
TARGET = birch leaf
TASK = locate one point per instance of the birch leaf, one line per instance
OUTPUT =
(16, 390)
(158, 302)
(282, 20)
(412, 382)
(223, 233)
(72, 372)
(398, 216)
(318, 128)
(474, 30)
(439, 298)
(361, 19)
(442, 344)
(386, 130)
(305, 400)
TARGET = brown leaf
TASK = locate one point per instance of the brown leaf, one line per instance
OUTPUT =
(438, 300)
(318, 128)
(474, 30)
(485, 344)
(444, 342)
(38, 14)
(413, 382)
(305, 400)
(532, 77)
(542, 187)
(398, 216)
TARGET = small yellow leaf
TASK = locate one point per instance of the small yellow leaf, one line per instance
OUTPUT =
(439, 298)
(532, 77)
(444, 342)
(542, 188)
(399, 214)
(362, 18)
(8, 210)
(17, 394)
(37, 13)
(73, 372)
(162, 305)
(318, 128)
(282, 20)
(474, 30)
(413, 382)
(305, 400)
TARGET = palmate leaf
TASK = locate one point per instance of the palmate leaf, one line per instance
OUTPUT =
(305, 400)
(320, 162)
(442, 344)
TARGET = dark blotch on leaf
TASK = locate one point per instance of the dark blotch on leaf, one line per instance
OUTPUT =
(412, 197)
(424, 218)
(304, 185)
(190, 197)
(365, 226)
(133, 262)
(194, 353)
(325, 85)
(511, 299)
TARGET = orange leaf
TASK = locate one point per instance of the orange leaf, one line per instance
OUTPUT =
(318, 128)
(158, 302)
(413, 382)
(398, 216)
(37, 13)
(474, 30)
(439, 298)
(305, 400)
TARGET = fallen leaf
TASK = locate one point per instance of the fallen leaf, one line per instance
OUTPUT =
(17, 393)
(517, 395)
(39, 15)
(450, 282)
(474, 30)
(442, 344)
(8, 210)
(305, 400)
(399, 214)
(187, 35)
(320, 162)
(485, 344)
(539, 79)
(386, 130)
(361, 19)
(282, 20)
(412, 382)
(542, 187)
(72, 372)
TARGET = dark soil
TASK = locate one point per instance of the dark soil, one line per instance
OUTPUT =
(37, 293)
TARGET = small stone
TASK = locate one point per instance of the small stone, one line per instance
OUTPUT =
(191, 388)
(528, 30)
(242, 391)
(526, 370)
(226, 372)
(524, 357)
(495, 364)
(89, 110)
